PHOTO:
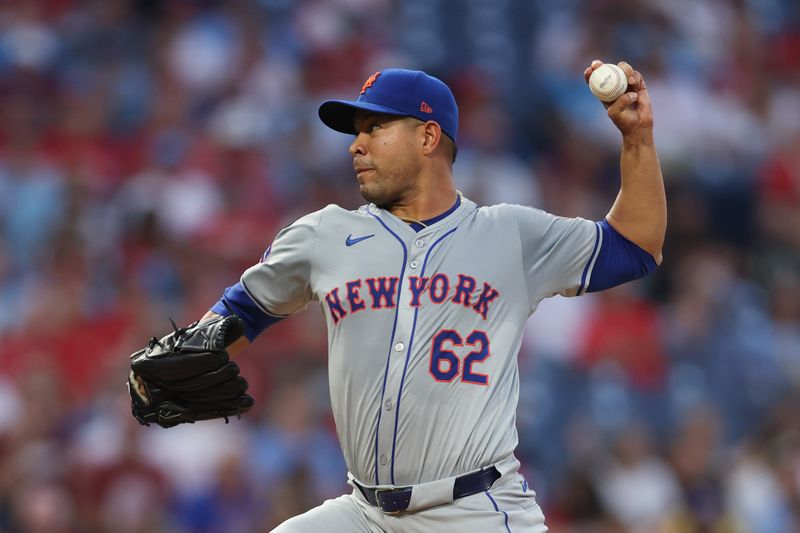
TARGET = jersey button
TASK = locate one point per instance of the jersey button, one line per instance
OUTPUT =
(419, 243)
(398, 347)
(384, 460)
(388, 405)
(414, 264)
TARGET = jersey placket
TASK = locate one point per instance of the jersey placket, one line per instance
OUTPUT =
(404, 346)
(385, 416)
(399, 351)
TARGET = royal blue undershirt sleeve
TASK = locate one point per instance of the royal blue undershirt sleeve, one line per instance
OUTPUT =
(235, 300)
(618, 261)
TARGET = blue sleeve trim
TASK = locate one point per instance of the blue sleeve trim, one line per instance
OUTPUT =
(235, 300)
(592, 258)
(619, 261)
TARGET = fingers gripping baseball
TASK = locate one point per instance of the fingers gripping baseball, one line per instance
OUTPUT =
(631, 112)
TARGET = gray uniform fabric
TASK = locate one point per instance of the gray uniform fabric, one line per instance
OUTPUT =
(424, 327)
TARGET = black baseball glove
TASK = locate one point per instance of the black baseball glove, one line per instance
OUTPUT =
(188, 376)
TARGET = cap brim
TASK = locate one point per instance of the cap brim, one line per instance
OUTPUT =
(338, 114)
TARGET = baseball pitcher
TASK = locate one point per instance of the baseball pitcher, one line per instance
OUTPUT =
(425, 295)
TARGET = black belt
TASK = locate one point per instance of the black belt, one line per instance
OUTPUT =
(397, 500)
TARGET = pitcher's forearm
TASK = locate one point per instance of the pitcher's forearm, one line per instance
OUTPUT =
(640, 210)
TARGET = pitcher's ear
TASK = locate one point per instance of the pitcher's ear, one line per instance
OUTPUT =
(433, 136)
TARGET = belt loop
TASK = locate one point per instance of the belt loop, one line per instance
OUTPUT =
(363, 491)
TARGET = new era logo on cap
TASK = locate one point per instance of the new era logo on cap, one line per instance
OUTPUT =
(405, 93)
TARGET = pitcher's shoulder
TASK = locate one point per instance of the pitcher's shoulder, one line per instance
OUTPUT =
(332, 213)
(508, 212)
(335, 210)
(334, 219)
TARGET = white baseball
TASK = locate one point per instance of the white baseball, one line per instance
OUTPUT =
(608, 82)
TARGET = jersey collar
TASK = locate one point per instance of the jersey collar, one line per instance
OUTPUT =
(458, 210)
(419, 226)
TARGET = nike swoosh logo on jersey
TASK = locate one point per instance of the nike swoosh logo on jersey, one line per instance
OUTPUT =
(351, 241)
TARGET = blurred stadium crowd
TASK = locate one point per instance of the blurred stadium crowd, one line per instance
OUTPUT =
(149, 151)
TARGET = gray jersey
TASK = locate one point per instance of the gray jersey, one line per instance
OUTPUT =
(424, 327)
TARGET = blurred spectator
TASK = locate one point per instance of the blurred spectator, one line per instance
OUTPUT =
(126, 494)
(32, 193)
(634, 485)
(292, 442)
(695, 459)
(229, 503)
(624, 331)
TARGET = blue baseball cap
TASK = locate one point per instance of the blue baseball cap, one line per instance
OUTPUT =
(395, 91)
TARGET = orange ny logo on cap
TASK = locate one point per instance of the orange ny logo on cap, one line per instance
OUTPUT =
(369, 82)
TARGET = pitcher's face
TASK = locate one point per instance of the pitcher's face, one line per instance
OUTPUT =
(387, 156)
